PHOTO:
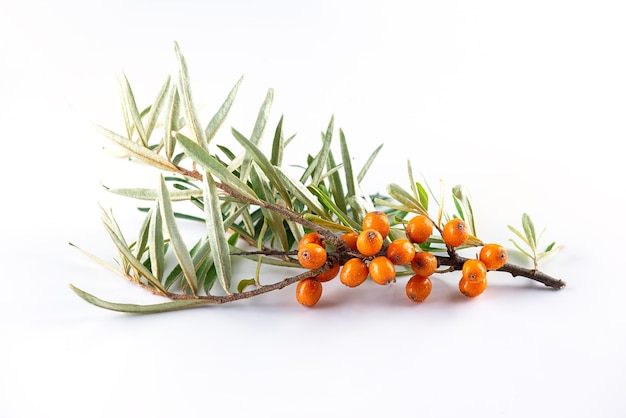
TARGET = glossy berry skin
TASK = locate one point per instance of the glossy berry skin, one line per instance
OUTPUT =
(419, 229)
(455, 232)
(474, 270)
(401, 251)
(329, 274)
(312, 238)
(354, 272)
(494, 256)
(382, 270)
(472, 288)
(424, 264)
(308, 291)
(312, 256)
(418, 288)
(377, 220)
(369, 242)
(350, 240)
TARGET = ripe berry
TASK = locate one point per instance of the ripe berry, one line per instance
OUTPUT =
(350, 240)
(312, 238)
(472, 288)
(474, 270)
(419, 229)
(312, 256)
(354, 272)
(494, 256)
(369, 242)
(401, 251)
(418, 288)
(424, 264)
(329, 274)
(377, 220)
(308, 291)
(382, 270)
(455, 232)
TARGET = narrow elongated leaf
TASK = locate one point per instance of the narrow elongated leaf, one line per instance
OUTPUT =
(404, 197)
(134, 111)
(518, 234)
(322, 157)
(325, 223)
(368, 164)
(264, 164)
(347, 164)
(209, 163)
(157, 107)
(138, 151)
(171, 123)
(219, 117)
(152, 194)
(335, 185)
(272, 219)
(191, 116)
(257, 134)
(332, 207)
(216, 234)
(142, 239)
(278, 145)
(176, 305)
(178, 244)
(301, 193)
(459, 193)
(156, 242)
(529, 230)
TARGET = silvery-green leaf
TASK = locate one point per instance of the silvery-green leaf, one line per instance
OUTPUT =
(529, 230)
(347, 164)
(216, 234)
(220, 115)
(257, 134)
(134, 111)
(176, 305)
(405, 198)
(321, 158)
(171, 122)
(518, 234)
(368, 164)
(156, 242)
(152, 194)
(138, 151)
(156, 108)
(301, 193)
(334, 182)
(178, 244)
(332, 207)
(278, 145)
(191, 116)
(209, 163)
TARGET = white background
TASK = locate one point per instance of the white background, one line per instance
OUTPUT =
(522, 102)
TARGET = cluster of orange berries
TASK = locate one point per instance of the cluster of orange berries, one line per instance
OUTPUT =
(379, 263)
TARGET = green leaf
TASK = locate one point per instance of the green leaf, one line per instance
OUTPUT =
(301, 193)
(520, 249)
(368, 164)
(142, 239)
(157, 106)
(315, 170)
(156, 242)
(278, 145)
(405, 198)
(216, 234)
(327, 224)
(219, 117)
(191, 116)
(241, 286)
(264, 164)
(529, 230)
(132, 108)
(171, 123)
(152, 194)
(335, 186)
(332, 207)
(178, 244)
(209, 163)
(347, 164)
(139, 151)
(257, 134)
(176, 305)
(461, 194)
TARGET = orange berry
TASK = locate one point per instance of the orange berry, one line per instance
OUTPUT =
(472, 288)
(494, 256)
(377, 220)
(418, 288)
(424, 264)
(474, 270)
(350, 240)
(308, 291)
(312, 238)
(329, 274)
(401, 251)
(419, 229)
(382, 270)
(455, 232)
(312, 256)
(369, 242)
(354, 272)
